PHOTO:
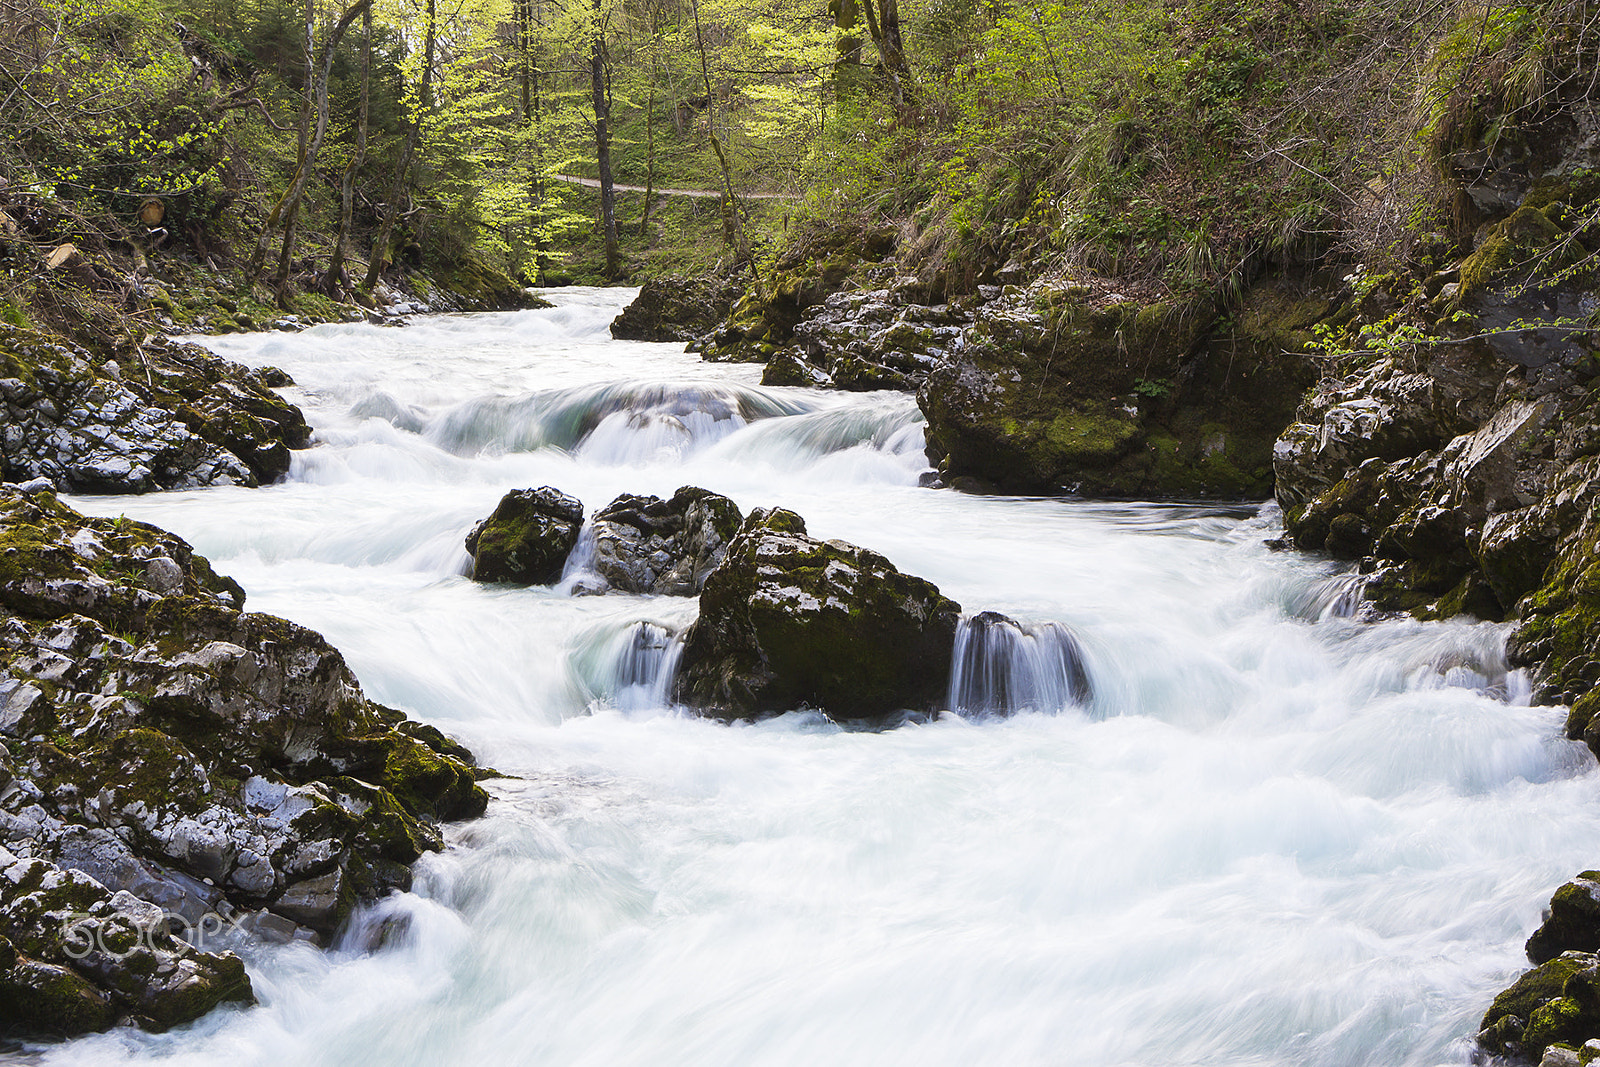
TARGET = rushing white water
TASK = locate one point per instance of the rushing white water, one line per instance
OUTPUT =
(1271, 832)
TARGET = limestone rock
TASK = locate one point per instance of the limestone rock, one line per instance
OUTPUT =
(789, 621)
(76, 957)
(201, 760)
(527, 539)
(188, 419)
(676, 309)
(643, 544)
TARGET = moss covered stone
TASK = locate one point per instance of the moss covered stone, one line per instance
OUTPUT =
(787, 621)
(527, 538)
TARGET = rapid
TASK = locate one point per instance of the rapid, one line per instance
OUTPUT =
(1230, 821)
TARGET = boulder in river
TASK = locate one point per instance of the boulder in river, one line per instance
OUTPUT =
(788, 621)
(676, 308)
(160, 743)
(1080, 388)
(527, 539)
(643, 544)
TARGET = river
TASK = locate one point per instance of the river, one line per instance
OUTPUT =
(1274, 834)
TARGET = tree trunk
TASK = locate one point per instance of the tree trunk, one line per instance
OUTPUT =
(650, 163)
(317, 100)
(335, 283)
(730, 202)
(391, 210)
(891, 49)
(602, 146)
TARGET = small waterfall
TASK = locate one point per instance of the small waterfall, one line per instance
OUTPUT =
(630, 668)
(1337, 596)
(1000, 666)
(578, 576)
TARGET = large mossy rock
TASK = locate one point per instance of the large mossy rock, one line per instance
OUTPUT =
(167, 416)
(1573, 922)
(643, 544)
(677, 308)
(527, 539)
(209, 761)
(787, 621)
(1068, 388)
(1558, 1001)
(76, 957)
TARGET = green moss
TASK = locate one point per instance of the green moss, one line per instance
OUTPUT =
(1511, 242)
(1564, 1020)
(1081, 437)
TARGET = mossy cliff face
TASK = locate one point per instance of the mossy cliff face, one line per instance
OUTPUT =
(1065, 388)
(159, 416)
(1456, 467)
(163, 743)
(788, 621)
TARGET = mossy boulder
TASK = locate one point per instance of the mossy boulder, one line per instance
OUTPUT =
(1558, 1001)
(527, 539)
(1573, 921)
(166, 747)
(787, 621)
(1076, 388)
(677, 308)
(1511, 243)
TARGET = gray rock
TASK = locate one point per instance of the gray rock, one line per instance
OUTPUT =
(644, 544)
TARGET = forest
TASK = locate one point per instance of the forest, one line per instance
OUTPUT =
(307, 149)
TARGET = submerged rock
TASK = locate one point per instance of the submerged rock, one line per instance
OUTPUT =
(172, 416)
(219, 765)
(643, 544)
(1001, 667)
(527, 539)
(788, 621)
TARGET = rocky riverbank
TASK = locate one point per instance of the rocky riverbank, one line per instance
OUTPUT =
(174, 764)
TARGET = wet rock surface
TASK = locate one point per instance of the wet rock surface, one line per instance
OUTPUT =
(1554, 1008)
(527, 539)
(677, 309)
(169, 416)
(787, 621)
(217, 765)
(644, 544)
(1070, 387)
(865, 340)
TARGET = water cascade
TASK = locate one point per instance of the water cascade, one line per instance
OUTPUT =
(1000, 667)
(1279, 832)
